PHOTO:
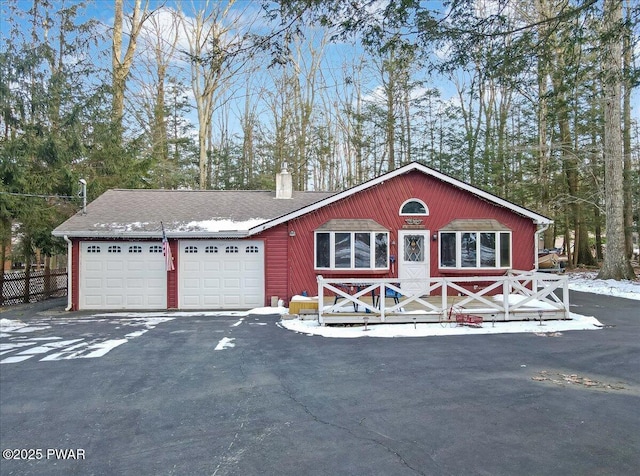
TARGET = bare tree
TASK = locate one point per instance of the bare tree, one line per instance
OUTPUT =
(153, 75)
(218, 51)
(165, 37)
(121, 65)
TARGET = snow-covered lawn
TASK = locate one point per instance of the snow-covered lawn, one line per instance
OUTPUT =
(586, 282)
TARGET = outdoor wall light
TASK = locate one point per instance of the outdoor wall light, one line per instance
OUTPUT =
(292, 233)
(434, 237)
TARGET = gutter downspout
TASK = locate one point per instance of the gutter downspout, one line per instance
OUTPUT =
(69, 273)
(537, 243)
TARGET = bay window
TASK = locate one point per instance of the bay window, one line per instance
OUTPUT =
(463, 247)
(351, 250)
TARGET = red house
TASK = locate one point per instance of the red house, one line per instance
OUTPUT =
(238, 249)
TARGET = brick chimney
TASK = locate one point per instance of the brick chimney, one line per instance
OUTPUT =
(284, 183)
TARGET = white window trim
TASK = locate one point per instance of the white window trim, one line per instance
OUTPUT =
(332, 257)
(426, 214)
(459, 266)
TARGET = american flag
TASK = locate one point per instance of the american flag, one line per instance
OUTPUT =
(166, 251)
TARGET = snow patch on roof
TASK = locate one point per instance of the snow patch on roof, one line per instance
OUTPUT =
(121, 227)
(219, 225)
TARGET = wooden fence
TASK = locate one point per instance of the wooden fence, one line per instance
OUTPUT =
(22, 287)
(519, 295)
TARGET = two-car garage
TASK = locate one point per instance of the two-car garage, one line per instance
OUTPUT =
(211, 274)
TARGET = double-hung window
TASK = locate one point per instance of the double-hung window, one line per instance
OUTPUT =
(475, 244)
(352, 245)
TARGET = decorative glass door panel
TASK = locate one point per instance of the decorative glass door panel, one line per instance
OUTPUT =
(414, 248)
(413, 260)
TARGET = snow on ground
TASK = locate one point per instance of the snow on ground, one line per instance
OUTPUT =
(584, 282)
(577, 322)
(20, 345)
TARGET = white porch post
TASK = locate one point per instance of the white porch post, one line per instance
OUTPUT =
(506, 292)
(565, 296)
(445, 299)
(320, 299)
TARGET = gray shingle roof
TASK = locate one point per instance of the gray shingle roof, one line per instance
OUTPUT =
(138, 213)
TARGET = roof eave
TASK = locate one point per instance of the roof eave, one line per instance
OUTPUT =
(152, 234)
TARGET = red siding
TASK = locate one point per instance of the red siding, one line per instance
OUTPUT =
(382, 204)
(75, 275)
(277, 263)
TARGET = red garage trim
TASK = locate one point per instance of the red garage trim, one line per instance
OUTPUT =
(172, 277)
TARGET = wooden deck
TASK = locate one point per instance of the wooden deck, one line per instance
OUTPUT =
(531, 297)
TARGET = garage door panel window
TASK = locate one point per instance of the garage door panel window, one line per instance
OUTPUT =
(135, 249)
(352, 250)
(155, 249)
(93, 249)
(475, 249)
(114, 249)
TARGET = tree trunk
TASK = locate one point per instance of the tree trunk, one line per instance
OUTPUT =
(626, 138)
(122, 65)
(544, 150)
(391, 120)
(582, 253)
(616, 264)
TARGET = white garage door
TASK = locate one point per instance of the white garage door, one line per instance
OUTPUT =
(221, 274)
(122, 275)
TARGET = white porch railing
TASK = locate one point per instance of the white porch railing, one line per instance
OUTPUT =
(515, 296)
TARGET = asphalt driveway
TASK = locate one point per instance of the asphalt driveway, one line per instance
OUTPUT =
(270, 401)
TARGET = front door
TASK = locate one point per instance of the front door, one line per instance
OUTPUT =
(413, 260)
